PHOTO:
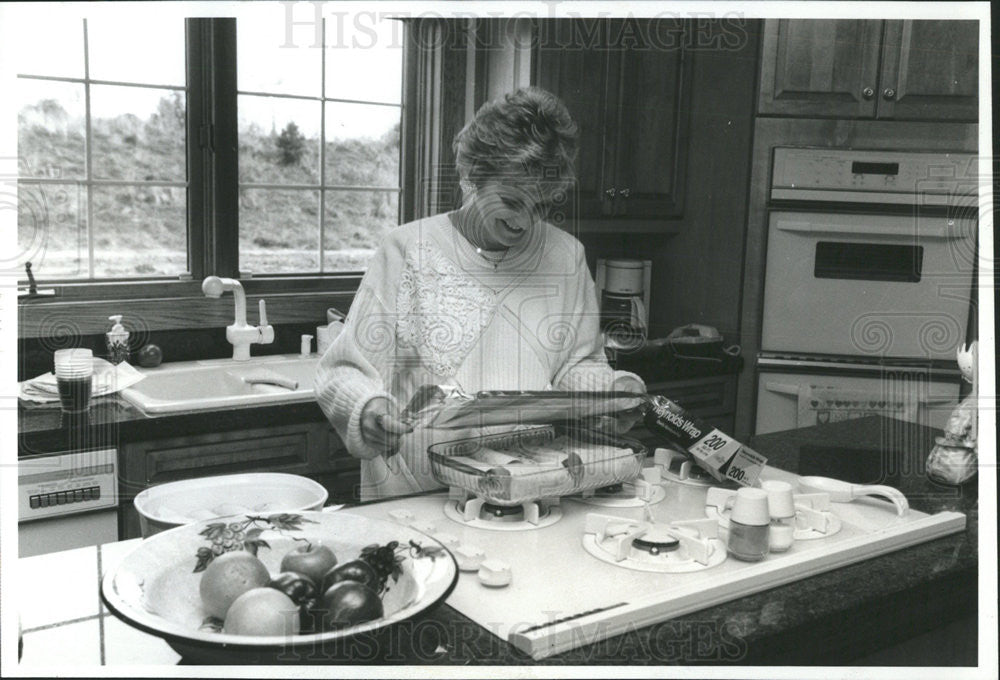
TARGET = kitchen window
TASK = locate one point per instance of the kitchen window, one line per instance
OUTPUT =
(102, 178)
(319, 142)
(126, 187)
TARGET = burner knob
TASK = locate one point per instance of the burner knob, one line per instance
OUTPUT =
(494, 573)
(469, 557)
(401, 516)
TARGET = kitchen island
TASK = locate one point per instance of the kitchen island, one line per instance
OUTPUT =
(926, 594)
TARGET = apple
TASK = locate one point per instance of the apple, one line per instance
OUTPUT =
(310, 559)
(299, 587)
(355, 570)
(349, 603)
(150, 356)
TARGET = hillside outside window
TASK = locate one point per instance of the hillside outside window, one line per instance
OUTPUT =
(110, 183)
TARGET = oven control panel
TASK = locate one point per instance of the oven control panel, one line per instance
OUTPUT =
(66, 483)
(886, 177)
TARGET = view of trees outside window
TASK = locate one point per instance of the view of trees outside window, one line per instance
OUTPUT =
(101, 151)
(101, 144)
(319, 141)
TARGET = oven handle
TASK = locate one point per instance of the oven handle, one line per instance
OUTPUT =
(781, 388)
(794, 390)
(949, 231)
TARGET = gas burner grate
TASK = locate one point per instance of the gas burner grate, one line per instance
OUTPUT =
(677, 547)
(679, 468)
(464, 508)
(643, 490)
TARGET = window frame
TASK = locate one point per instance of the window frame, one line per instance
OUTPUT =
(170, 303)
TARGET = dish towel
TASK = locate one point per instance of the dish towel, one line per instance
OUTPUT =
(108, 379)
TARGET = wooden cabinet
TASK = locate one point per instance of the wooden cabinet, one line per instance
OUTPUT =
(933, 67)
(627, 85)
(820, 67)
(309, 449)
(852, 68)
(342, 477)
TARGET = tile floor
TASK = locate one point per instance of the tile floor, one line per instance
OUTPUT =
(65, 623)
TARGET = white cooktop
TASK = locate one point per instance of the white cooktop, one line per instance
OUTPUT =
(562, 597)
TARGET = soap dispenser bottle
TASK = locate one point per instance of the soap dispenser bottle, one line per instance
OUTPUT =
(117, 340)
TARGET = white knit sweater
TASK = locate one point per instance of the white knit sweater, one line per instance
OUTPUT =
(432, 310)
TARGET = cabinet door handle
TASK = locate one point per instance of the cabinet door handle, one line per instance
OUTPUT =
(868, 92)
(625, 193)
(610, 192)
(888, 94)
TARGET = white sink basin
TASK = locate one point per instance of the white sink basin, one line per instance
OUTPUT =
(222, 383)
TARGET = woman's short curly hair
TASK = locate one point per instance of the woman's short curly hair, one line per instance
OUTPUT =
(527, 132)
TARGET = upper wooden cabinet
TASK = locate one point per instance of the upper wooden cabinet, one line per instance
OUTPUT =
(627, 85)
(900, 70)
(819, 67)
(933, 66)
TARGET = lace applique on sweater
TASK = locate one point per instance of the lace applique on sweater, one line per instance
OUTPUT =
(441, 310)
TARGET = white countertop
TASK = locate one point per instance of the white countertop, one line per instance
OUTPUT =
(64, 623)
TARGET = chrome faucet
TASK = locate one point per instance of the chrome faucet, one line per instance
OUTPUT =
(240, 334)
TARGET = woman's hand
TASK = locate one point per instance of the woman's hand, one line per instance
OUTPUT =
(614, 425)
(623, 421)
(381, 426)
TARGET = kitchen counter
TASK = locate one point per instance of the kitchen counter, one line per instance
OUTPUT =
(842, 617)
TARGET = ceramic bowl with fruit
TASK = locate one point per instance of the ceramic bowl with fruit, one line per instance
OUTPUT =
(274, 588)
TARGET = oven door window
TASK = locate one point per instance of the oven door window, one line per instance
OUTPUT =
(868, 261)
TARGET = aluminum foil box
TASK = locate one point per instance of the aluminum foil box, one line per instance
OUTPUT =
(718, 453)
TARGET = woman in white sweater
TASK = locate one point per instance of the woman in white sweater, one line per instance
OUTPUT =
(487, 297)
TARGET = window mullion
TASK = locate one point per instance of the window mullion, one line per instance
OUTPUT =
(408, 162)
(322, 148)
(213, 199)
(89, 154)
(199, 191)
(225, 151)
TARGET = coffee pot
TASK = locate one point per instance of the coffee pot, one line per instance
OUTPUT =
(623, 290)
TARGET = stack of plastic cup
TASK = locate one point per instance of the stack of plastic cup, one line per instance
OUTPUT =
(781, 507)
(74, 369)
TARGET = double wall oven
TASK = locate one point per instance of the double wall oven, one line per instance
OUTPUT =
(868, 284)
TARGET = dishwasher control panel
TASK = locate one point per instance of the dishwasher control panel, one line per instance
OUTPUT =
(66, 483)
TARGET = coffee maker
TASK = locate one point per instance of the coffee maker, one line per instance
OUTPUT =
(623, 291)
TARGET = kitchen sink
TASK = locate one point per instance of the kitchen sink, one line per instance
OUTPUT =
(223, 383)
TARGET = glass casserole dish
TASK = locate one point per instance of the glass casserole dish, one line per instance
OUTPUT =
(510, 468)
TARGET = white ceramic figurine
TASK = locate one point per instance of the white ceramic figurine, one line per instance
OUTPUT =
(954, 458)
